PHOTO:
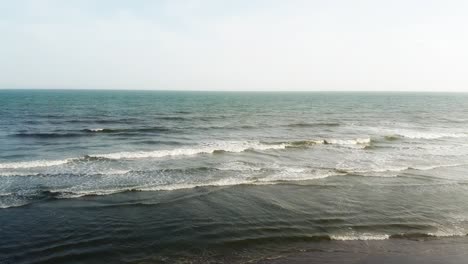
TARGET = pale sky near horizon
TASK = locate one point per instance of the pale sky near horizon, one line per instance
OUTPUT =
(326, 45)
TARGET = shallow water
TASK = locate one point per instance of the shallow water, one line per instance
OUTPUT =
(166, 176)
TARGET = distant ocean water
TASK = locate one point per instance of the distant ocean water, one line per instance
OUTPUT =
(145, 176)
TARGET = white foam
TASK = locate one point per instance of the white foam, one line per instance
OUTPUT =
(178, 186)
(415, 133)
(296, 174)
(431, 167)
(5, 206)
(401, 168)
(357, 141)
(238, 166)
(23, 174)
(73, 193)
(277, 175)
(332, 141)
(428, 135)
(14, 173)
(32, 164)
(378, 169)
(448, 233)
(67, 193)
(366, 236)
(236, 146)
(113, 172)
(360, 237)
(96, 129)
(291, 174)
(208, 148)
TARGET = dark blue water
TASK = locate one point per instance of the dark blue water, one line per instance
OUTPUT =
(144, 176)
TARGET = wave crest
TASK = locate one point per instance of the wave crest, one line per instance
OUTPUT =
(363, 236)
(305, 143)
(424, 135)
(32, 164)
(206, 149)
(209, 148)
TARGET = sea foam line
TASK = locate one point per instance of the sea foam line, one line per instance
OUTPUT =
(360, 237)
(71, 193)
(33, 164)
(210, 148)
(207, 149)
(427, 135)
(400, 169)
(273, 180)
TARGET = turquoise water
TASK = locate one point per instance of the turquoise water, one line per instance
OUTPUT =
(164, 176)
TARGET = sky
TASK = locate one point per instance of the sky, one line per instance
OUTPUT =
(261, 45)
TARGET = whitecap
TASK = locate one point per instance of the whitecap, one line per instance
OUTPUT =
(32, 164)
(356, 141)
(428, 135)
(364, 236)
(95, 129)
(209, 148)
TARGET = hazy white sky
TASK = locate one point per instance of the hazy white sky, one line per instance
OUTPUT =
(235, 45)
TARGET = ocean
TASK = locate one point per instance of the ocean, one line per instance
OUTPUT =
(229, 177)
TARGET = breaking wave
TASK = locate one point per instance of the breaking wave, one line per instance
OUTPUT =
(188, 179)
(344, 142)
(398, 169)
(366, 236)
(69, 193)
(424, 135)
(360, 237)
(210, 148)
(134, 130)
(219, 147)
(33, 164)
(204, 149)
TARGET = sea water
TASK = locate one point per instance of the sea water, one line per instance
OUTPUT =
(155, 175)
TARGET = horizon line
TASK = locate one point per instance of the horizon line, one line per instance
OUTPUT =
(232, 91)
